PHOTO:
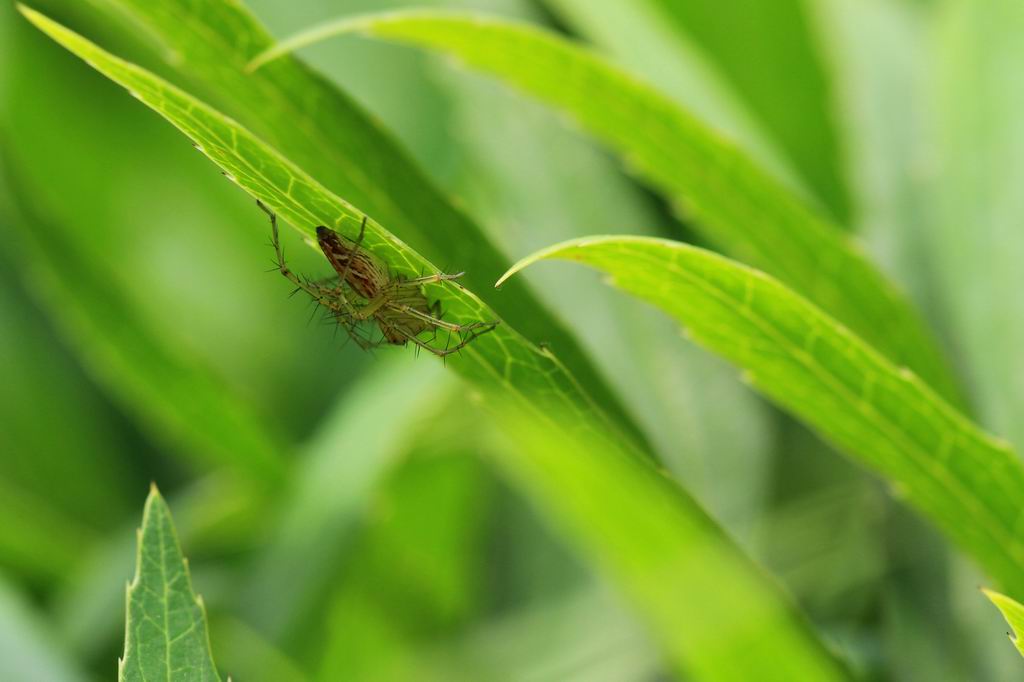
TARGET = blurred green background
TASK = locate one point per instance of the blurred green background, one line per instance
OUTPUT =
(397, 551)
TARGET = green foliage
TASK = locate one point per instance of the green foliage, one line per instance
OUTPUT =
(165, 634)
(667, 555)
(735, 203)
(758, 45)
(622, 507)
(185, 404)
(502, 357)
(1013, 612)
(501, 363)
(322, 130)
(936, 459)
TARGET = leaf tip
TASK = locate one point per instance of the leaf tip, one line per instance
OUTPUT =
(29, 13)
(153, 498)
(501, 280)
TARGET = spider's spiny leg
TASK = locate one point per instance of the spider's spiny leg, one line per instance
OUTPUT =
(427, 279)
(437, 322)
(282, 265)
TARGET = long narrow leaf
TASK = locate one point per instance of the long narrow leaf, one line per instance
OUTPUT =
(735, 203)
(500, 363)
(325, 132)
(976, 209)
(970, 484)
(502, 358)
(701, 595)
(768, 52)
(179, 400)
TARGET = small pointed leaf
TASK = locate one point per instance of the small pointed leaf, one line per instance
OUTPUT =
(166, 637)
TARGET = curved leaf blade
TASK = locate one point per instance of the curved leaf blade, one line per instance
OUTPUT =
(1013, 612)
(969, 483)
(501, 363)
(671, 560)
(166, 635)
(733, 202)
(502, 358)
(325, 132)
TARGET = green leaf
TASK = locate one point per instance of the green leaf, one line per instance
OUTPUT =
(29, 648)
(501, 363)
(735, 203)
(768, 53)
(328, 135)
(181, 401)
(635, 34)
(36, 539)
(722, 448)
(703, 600)
(502, 358)
(165, 636)
(415, 574)
(969, 483)
(976, 232)
(376, 421)
(1013, 612)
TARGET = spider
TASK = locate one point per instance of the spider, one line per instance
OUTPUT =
(397, 304)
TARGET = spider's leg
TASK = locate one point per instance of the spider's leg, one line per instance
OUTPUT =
(436, 321)
(446, 351)
(427, 279)
(370, 309)
(282, 266)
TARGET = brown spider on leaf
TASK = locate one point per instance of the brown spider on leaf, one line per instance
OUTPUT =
(366, 291)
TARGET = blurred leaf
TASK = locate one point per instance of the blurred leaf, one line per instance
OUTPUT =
(415, 573)
(35, 538)
(969, 483)
(976, 236)
(250, 655)
(78, 469)
(30, 652)
(637, 35)
(326, 134)
(702, 600)
(768, 53)
(1013, 612)
(737, 204)
(579, 635)
(367, 433)
(187, 406)
(165, 633)
(878, 53)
